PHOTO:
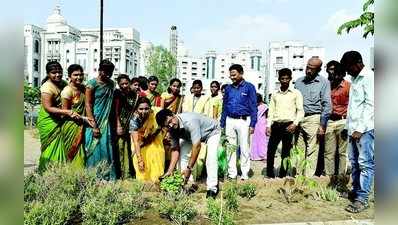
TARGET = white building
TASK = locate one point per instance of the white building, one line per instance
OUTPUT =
(288, 54)
(145, 47)
(33, 50)
(215, 66)
(68, 45)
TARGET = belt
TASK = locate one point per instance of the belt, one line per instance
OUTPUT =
(335, 117)
(311, 114)
(239, 117)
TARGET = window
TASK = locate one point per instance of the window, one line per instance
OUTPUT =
(279, 59)
(222, 71)
(67, 60)
(95, 50)
(194, 63)
(184, 62)
(37, 46)
(194, 68)
(36, 65)
(260, 85)
(67, 51)
(35, 82)
(301, 69)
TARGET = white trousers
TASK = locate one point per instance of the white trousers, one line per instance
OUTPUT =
(211, 159)
(237, 133)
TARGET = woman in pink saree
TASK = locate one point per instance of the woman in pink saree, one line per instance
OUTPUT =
(259, 139)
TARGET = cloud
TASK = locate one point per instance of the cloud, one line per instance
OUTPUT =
(240, 31)
(336, 19)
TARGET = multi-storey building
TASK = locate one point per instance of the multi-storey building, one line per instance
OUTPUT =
(68, 45)
(288, 54)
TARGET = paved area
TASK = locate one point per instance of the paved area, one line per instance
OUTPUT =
(341, 222)
(31, 150)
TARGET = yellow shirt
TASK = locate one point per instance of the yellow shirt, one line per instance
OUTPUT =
(213, 103)
(286, 106)
(191, 105)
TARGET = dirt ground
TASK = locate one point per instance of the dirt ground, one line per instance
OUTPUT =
(268, 206)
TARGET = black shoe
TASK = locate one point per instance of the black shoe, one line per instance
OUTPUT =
(211, 194)
(350, 195)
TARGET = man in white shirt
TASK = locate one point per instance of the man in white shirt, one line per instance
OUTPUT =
(360, 126)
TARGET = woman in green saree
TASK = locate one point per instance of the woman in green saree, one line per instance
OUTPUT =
(51, 116)
(73, 98)
(98, 139)
(125, 100)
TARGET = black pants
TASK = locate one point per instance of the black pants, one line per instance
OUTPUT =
(278, 134)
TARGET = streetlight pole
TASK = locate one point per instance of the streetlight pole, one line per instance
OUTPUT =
(101, 30)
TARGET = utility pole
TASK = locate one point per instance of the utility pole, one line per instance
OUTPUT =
(101, 30)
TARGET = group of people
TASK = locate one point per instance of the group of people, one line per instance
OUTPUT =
(141, 133)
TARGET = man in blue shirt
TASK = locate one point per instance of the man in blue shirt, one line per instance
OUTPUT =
(238, 118)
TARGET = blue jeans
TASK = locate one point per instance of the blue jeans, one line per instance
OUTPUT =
(361, 155)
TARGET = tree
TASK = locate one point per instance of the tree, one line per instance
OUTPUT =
(31, 97)
(161, 63)
(366, 20)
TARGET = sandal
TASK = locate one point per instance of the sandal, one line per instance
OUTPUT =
(357, 207)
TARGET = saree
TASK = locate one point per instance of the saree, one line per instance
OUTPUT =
(154, 98)
(49, 127)
(122, 143)
(153, 153)
(72, 132)
(100, 149)
(175, 105)
(259, 142)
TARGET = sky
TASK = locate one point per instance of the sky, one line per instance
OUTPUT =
(219, 24)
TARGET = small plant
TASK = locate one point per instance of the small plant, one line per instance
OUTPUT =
(328, 194)
(217, 214)
(231, 196)
(177, 208)
(247, 190)
(173, 183)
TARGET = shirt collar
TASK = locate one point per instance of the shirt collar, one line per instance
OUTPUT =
(316, 79)
(288, 89)
(181, 125)
(240, 84)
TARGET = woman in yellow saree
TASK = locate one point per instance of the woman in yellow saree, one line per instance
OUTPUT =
(147, 142)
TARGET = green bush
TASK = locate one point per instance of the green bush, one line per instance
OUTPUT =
(110, 203)
(54, 196)
(217, 214)
(179, 208)
(247, 190)
(230, 191)
(172, 184)
(64, 195)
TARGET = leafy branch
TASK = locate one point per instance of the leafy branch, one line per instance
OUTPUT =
(366, 20)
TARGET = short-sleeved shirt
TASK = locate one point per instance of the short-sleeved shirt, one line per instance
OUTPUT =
(194, 127)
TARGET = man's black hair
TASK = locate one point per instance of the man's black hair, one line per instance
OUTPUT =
(350, 58)
(162, 115)
(236, 67)
(284, 72)
(338, 68)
